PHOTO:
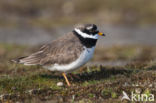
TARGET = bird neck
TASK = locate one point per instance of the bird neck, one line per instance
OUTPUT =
(87, 42)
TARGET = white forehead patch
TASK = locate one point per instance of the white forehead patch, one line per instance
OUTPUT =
(85, 35)
(89, 28)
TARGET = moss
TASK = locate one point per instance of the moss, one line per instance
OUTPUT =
(106, 93)
(23, 83)
(90, 95)
(114, 95)
(85, 101)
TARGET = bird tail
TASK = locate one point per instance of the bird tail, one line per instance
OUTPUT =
(18, 60)
(23, 60)
(33, 59)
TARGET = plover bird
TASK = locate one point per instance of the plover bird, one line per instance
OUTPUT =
(68, 52)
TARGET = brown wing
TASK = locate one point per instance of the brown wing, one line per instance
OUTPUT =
(61, 51)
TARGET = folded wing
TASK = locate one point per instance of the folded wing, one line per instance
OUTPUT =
(61, 51)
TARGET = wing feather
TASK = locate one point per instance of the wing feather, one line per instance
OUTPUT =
(61, 51)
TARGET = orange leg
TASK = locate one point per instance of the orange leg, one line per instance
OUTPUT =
(65, 77)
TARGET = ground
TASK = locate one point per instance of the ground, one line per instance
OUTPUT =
(111, 71)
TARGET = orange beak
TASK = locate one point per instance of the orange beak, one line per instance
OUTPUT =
(101, 34)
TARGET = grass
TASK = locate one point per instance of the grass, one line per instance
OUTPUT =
(99, 83)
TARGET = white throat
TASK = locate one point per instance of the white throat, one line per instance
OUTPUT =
(84, 35)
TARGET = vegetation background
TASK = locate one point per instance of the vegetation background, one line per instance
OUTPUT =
(124, 60)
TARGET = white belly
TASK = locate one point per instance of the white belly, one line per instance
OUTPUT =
(85, 56)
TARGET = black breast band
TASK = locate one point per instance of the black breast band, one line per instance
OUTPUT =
(87, 42)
